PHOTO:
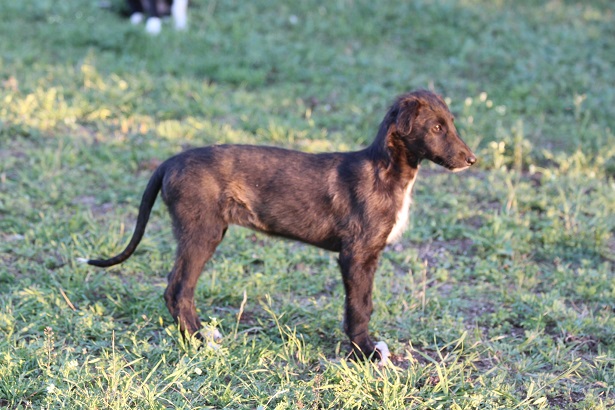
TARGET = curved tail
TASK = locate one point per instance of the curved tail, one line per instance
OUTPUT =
(147, 202)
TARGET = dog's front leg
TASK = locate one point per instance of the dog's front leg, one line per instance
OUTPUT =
(358, 269)
(153, 25)
(136, 11)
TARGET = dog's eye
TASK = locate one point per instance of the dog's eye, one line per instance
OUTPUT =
(437, 128)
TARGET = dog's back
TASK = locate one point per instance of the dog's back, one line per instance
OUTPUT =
(281, 192)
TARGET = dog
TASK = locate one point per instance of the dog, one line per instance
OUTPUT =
(353, 203)
(154, 9)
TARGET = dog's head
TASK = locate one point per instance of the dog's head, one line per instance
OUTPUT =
(421, 124)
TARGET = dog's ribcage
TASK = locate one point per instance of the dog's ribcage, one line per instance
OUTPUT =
(401, 219)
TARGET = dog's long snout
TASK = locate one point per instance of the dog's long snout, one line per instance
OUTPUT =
(471, 159)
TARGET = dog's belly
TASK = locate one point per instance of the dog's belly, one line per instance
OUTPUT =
(316, 229)
(279, 192)
(333, 244)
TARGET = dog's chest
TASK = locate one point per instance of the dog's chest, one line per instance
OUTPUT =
(401, 219)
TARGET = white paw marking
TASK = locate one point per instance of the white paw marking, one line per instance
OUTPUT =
(82, 260)
(179, 13)
(136, 18)
(384, 353)
(210, 333)
(216, 335)
(212, 336)
(153, 25)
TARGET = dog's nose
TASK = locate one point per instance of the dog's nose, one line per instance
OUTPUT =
(471, 160)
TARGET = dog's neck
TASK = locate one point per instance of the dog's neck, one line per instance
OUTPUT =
(398, 167)
(392, 155)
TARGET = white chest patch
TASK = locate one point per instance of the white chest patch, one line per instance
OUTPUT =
(401, 220)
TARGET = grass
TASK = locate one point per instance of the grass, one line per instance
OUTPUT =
(500, 295)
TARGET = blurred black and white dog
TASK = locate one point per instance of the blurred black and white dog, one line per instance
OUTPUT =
(155, 9)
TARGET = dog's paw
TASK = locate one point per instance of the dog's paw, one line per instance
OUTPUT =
(153, 25)
(383, 349)
(180, 14)
(212, 337)
(210, 334)
(136, 18)
(181, 24)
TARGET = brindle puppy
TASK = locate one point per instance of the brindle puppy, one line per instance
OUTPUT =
(353, 203)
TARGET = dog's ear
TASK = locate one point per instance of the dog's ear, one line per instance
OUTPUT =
(397, 122)
(407, 112)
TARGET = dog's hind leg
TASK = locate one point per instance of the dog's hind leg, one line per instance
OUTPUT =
(195, 246)
(358, 269)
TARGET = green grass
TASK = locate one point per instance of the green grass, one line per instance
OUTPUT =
(500, 295)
